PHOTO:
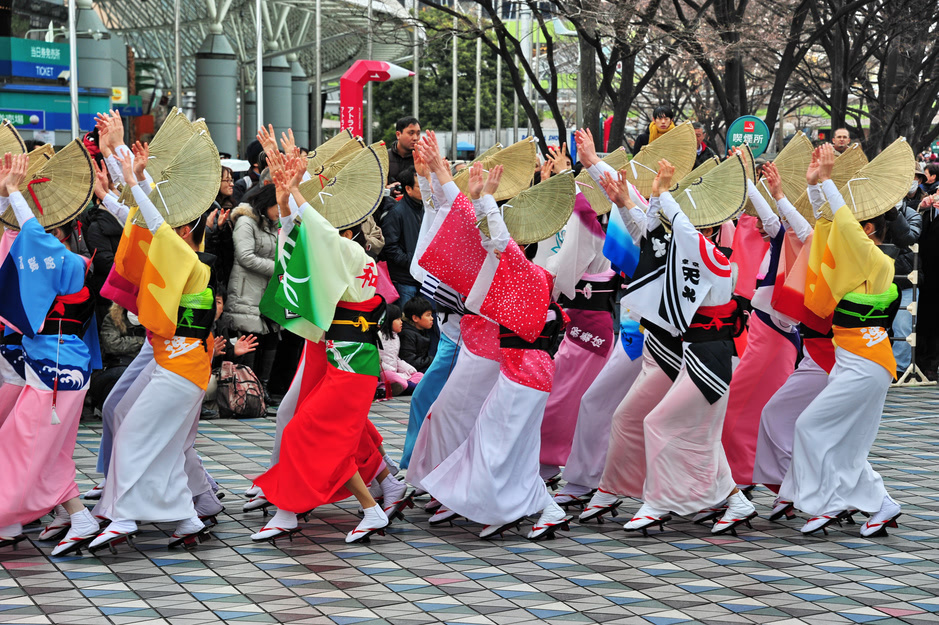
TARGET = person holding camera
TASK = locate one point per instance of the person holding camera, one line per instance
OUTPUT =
(401, 226)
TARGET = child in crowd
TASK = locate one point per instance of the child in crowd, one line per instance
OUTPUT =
(416, 333)
(401, 376)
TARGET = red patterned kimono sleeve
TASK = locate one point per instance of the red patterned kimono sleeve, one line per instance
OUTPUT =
(520, 294)
(455, 255)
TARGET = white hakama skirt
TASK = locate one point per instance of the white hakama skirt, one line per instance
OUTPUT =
(833, 437)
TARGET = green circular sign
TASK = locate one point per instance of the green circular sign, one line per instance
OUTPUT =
(750, 130)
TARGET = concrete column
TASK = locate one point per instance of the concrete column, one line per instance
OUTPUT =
(278, 96)
(250, 113)
(217, 89)
(301, 103)
(93, 43)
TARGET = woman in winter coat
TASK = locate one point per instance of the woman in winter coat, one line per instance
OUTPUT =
(255, 240)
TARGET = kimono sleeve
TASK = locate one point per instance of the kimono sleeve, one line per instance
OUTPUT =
(520, 294)
(456, 255)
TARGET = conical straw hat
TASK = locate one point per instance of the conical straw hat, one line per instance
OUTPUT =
(38, 159)
(325, 151)
(594, 193)
(10, 140)
(518, 162)
(879, 185)
(792, 162)
(168, 141)
(355, 192)
(342, 157)
(200, 124)
(679, 146)
(846, 165)
(189, 184)
(696, 173)
(488, 153)
(60, 189)
(540, 211)
(717, 196)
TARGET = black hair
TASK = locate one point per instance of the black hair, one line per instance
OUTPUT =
(263, 200)
(32, 144)
(932, 169)
(197, 227)
(531, 250)
(407, 177)
(663, 111)
(221, 291)
(880, 226)
(404, 122)
(416, 307)
(357, 235)
(253, 151)
(392, 312)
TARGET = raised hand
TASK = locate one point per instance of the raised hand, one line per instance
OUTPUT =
(546, 168)
(492, 182)
(586, 151)
(476, 180)
(223, 217)
(773, 181)
(17, 174)
(558, 156)
(826, 161)
(663, 179)
(212, 219)
(245, 344)
(811, 175)
(6, 166)
(275, 161)
(267, 140)
(617, 189)
(420, 165)
(141, 156)
(287, 141)
(294, 169)
(116, 128)
(102, 180)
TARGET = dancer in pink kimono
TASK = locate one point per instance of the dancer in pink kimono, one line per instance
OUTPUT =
(45, 298)
(584, 286)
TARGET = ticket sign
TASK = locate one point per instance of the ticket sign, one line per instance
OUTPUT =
(750, 130)
(28, 58)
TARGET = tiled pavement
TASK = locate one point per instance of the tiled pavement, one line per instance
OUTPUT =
(416, 575)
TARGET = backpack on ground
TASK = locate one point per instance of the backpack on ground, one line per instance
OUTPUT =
(240, 394)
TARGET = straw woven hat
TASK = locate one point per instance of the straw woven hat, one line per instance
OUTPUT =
(189, 184)
(60, 189)
(879, 185)
(168, 141)
(355, 192)
(10, 140)
(679, 146)
(325, 151)
(488, 153)
(342, 157)
(594, 193)
(792, 163)
(695, 174)
(518, 172)
(540, 211)
(846, 166)
(717, 196)
(38, 159)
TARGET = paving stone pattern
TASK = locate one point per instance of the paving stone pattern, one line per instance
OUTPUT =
(592, 574)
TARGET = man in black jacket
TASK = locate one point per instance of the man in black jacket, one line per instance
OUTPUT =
(401, 226)
(705, 153)
(401, 152)
(927, 330)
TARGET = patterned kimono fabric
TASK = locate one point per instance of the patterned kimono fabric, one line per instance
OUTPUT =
(834, 434)
(45, 297)
(154, 423)
(329, 439)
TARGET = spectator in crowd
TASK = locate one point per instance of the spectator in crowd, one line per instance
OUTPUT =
(254, 234)
(225, 190)
(254, 154)
(704, 151)
(218, 228)
(401, 227)
(903, 230)
(397, 373)
(927, 330)
(663, 120)
(401, 152)
(416, 333)
(841, 139)
(915, 196)
(121, 338)
(931, 179)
